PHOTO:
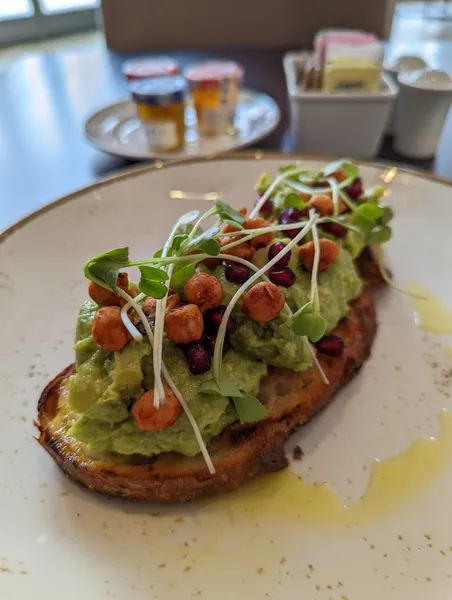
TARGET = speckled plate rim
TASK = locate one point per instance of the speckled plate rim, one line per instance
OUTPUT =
(243, 155)
(98, 143)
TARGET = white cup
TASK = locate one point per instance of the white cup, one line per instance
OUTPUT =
(403, 64)
(423, 103)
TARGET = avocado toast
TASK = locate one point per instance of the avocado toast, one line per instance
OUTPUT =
(241, 328)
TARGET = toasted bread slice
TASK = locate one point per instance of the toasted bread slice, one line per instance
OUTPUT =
(240, 453)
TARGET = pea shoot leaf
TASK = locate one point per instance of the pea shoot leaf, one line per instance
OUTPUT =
(370, 211)
(211, 247)
(178, 240)
(153, 274)
(105, 267)
(379, 235)
(151, 282)
(226, 212)
(293, 200)
(224, 387)
(363, 223)
(152, 288)
(188, 217)
(238, 226)
(387, 215)
(181, 273)
(249, 408)
(310, 325)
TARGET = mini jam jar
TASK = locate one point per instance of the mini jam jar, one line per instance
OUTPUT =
(215, 88)
(160, 106)
(146, 68)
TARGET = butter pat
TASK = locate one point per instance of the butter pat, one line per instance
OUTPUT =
(347, 76)
(352, 68)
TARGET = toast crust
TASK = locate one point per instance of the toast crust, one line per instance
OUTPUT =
(240, 453)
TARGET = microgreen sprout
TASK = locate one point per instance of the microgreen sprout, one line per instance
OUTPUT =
(284, 176)
(308, 321)
(222, 329)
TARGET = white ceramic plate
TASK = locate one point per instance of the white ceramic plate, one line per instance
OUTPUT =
(115, 129)
(284, 538)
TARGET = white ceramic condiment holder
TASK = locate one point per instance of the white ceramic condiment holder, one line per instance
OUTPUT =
(423, 103)
(403, 64)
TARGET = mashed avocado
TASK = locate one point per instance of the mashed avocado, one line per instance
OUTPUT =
(275, 341)
(106, 384)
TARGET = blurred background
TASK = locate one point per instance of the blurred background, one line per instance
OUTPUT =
(61, 61)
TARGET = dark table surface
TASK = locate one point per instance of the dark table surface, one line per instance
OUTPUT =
(45, 99)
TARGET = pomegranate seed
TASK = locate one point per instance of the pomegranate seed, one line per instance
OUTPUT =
(198, 359)
(213, 318)
(335, 229)
(236, 273)
(285, 277)
(290, 215)
(355, 190)
(267, 206)
(332, 345)
(211, 340)
(275, 249)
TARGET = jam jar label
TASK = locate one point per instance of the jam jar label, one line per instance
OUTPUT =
(162, 135)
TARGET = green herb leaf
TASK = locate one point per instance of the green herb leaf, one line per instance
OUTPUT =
(224, 387)
(373, 212)
(211, 247)
(249, 408)
(306, 308)
(178, 240)
(153, 274)
(181, 273)
(363, 223)
(263, 183)
(293, 200)
(238, 226)
(226, 212)
(159, 253)
(106, 267)
(188, 217)
(152, 288)
(387, 215)
(312, 326)
(379, 235)
(355, 242)
(209, 387)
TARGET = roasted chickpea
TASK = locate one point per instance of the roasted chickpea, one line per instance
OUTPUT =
(323, 205)
(184, 324)
(263, 302)
(149, 305)
(148, 418)
(108, 330)
(228, 228)
(339, 175)
(204, 290)
(329, 251)
(173, 300)
(261, 240)
(104, 297)
(245, 250)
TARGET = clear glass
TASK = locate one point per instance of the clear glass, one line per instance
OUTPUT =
(57, 6)
(15, 9)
